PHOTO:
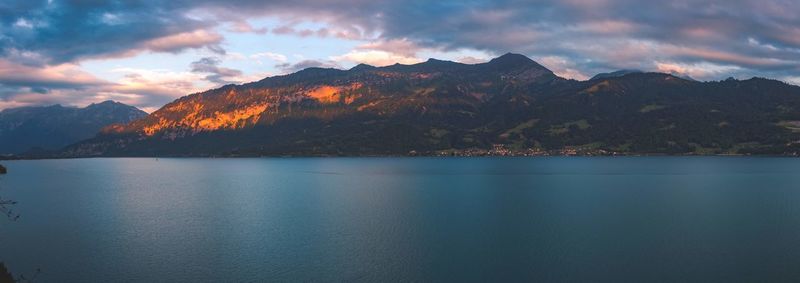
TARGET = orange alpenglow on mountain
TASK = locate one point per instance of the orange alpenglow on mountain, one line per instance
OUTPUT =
(441, 105)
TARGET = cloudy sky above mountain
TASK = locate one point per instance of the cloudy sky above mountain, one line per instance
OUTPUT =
(147, 53)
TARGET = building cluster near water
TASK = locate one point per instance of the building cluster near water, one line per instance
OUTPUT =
(503, 150)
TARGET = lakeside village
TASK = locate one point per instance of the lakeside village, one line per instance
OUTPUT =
(503, 150)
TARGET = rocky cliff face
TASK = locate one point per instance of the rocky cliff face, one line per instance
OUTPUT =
(441, 105)
(327, 93)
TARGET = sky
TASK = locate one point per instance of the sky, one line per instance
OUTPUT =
(147, 53)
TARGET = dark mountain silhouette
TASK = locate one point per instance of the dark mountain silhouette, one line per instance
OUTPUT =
(441, 105)
(53, 127)
(614, 74)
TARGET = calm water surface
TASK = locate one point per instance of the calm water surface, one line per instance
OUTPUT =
(405, 219)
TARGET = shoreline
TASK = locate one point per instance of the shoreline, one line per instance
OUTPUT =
(6, 158)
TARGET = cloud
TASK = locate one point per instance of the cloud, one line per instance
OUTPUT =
(64, 76)
(58, 30)
(291, 68)
(792, 80)
(401, 47)
(595, 35)
(563, 67)
(67, 84)
(43, 42)
(178, 42)
(607, 26)
(513, 25)
(215, 73)
(269, 55)
(375, 58)
(158, 81)
(696, 70)
(471, 60)
(383, 53)
(289, 30)
(61, 31)
(245, 27)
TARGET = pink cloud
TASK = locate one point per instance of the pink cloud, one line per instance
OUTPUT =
(68, 84)
(562, 67)
(285, 29)
(722, 56)
(245, 27)
(471, 60)
(703, 70)
(403, 47)
(376, 58)
(60, 76)
(177, 42)
(608, 27)
(174, 43)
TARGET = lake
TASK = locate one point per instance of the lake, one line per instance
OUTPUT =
(404, 219)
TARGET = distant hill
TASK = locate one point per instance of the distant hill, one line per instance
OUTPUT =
(53, 127)
(437, 106)
(614, 74)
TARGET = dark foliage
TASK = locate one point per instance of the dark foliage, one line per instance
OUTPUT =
(5, 275)
(440, 105)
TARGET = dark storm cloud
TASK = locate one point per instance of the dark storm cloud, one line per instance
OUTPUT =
(743, 37)
(747, 37)
(601, 34)
(216, 74)
(63, 31)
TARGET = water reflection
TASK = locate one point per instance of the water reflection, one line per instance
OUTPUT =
(414, 219)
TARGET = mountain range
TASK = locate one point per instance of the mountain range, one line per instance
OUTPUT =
(50, 128)
(442, 107)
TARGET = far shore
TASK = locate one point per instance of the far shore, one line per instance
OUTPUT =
(12, 158)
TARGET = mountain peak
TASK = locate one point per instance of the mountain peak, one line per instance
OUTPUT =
(512, 57)
(362, 67)
(114, 106)
(111, 105)
(516, 63)
(104, 103)
(429, 65)
(434, 60)
(324, 112)
(55, 126)
(513, 61)
(615, 74)
(684, 76)
(437, 62)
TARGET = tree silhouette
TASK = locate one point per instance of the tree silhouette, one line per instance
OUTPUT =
(5, 276)
(5, 209)
(5, 204)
